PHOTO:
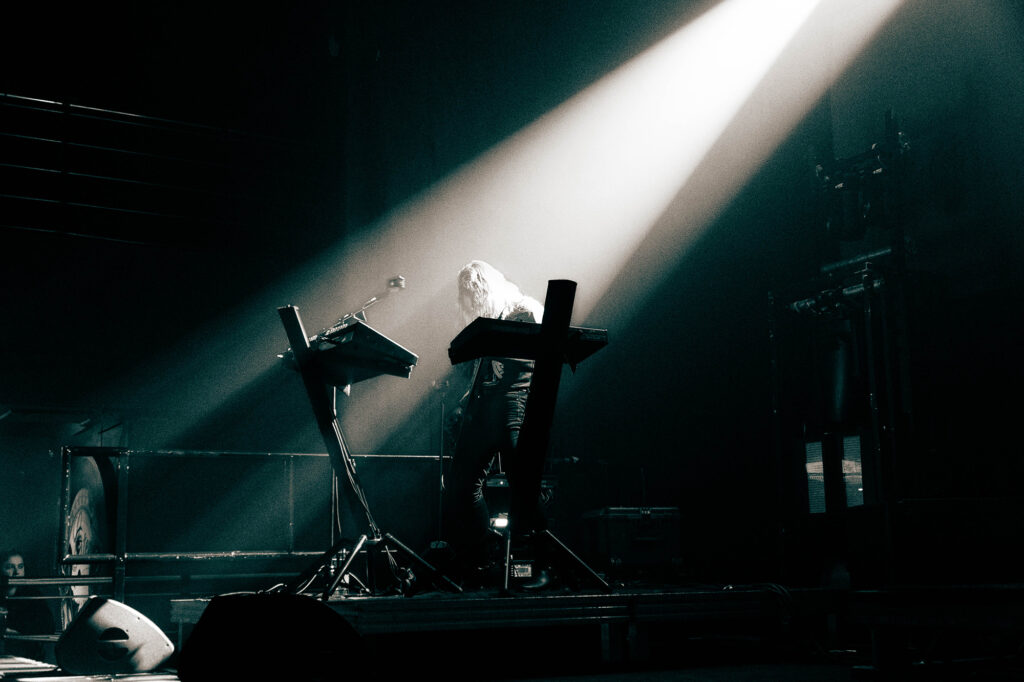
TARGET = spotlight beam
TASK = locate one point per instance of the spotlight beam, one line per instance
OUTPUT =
(574, 195)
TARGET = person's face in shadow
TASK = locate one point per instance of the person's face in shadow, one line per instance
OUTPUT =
(14, 566)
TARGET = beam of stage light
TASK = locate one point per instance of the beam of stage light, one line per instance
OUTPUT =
(576, 193)
(572, 196)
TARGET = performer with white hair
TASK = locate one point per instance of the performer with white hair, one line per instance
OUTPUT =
(492, 415)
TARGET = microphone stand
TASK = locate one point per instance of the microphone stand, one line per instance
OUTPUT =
(397, 282)
(443, 395)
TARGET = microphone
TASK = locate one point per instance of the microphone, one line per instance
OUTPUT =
(396, 282)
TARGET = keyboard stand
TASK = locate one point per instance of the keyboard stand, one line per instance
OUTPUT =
(321, 399)
(547, 345)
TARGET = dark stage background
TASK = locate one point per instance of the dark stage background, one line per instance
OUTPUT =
(278, 131)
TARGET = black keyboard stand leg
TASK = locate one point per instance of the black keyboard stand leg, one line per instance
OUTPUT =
(436, 577)
(557, 554)
(343, 571)
(508, 564)
(561, 549)
(308, 576)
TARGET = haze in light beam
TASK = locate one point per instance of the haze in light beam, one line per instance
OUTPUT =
(570, 196)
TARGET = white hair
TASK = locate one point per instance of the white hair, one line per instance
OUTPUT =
(484, 292)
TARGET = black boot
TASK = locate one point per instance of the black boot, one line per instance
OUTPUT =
(484, 567)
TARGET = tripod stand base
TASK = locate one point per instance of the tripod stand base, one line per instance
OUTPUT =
(437, 577)
(402, 578)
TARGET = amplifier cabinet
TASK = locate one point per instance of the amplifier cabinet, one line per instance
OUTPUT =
(633, 542)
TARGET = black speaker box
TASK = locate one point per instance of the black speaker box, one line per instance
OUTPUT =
(260, 636)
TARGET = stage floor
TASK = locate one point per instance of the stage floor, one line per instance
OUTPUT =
(645, 632)
(485, 609)
(520, 608)
(562, 631)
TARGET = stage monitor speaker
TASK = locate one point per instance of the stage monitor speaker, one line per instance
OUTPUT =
(107, 637)
(270, 636)
(634, 541)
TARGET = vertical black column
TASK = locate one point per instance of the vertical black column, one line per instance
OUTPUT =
(535, 436)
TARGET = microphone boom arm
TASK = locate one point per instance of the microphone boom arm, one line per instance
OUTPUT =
(396, 282)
